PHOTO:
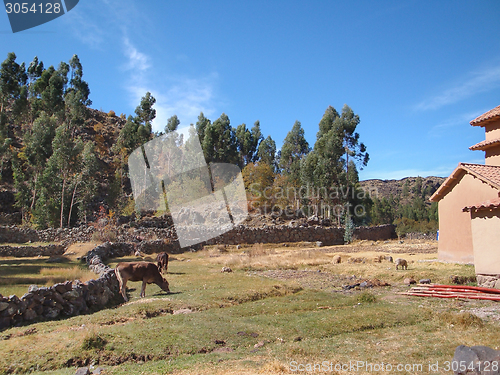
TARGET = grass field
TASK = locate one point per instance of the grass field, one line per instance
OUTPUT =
(280, 308)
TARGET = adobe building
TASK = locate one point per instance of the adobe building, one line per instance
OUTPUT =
(468, 203)
(485, 226)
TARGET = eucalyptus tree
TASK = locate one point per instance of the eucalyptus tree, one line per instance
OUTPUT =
(248, 143)
(84, 182)
(294, 149)
(66, 162)
(201, 125)
(266, 153)
(172, 124)
(33, 158)
(219, 142)
(331, 167)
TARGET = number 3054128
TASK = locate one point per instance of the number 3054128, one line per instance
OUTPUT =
(34, 8)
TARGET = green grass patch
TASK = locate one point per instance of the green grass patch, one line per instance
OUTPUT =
(17, 274)
(244, 323)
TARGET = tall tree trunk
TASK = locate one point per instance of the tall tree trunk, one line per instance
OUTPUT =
(34, 193)
(62, 201)
(72, 202)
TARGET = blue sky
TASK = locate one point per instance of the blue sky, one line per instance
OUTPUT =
(416, 72)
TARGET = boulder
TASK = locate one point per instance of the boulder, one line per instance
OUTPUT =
(475, 360)
(409, 281)
(82, 371)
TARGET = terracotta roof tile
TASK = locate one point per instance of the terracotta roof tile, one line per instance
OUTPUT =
(485, 117)
(484, 145)
(487, 173)
(489, 204)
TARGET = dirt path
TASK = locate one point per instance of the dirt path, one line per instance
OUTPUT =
(78, 249)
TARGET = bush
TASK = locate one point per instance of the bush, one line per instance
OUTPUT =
(366, 297)
(111, 113)
(94, 341)
(349, 229)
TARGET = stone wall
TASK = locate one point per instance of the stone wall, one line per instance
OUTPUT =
(240, 234)
(74, 297)
(381, 232)
(13, 234)
(64, 299)
(279, 234)
(488, 281)
(31, 251)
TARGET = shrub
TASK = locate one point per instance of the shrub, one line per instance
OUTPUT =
(349, 229)
(111, 113)
(462, 320)
(366, 297)
(93, 341)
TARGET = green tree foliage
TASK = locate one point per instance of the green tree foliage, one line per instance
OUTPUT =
(331, 167)
(84, 182)
(42, 117)
(266, 152)
(417, 187)
(13, 77)
(77, 86)
(382, 211)
(295, 148)
(137, 130)
(201, 125)
(248, 143)
(145, 112)
(32, 159)
(66, 160)
(219, 142)
(172, 124)
(406, 189)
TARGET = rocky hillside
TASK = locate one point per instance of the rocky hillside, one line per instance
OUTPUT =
(405, 188)
(100, 127)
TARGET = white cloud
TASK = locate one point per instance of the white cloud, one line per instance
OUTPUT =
(461, 120)
(136, 60)
(479, 81)
(185, 97)
(85, 28)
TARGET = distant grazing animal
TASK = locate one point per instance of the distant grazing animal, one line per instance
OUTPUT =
(388, 258)
(162, 259)
(401, 262)
(139, 271)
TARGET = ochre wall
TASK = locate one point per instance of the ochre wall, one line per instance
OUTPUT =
(492, 156)
(485, 226)
(455, 236)
(492, 131)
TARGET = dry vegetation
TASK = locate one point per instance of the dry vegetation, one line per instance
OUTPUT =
(280, 304)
